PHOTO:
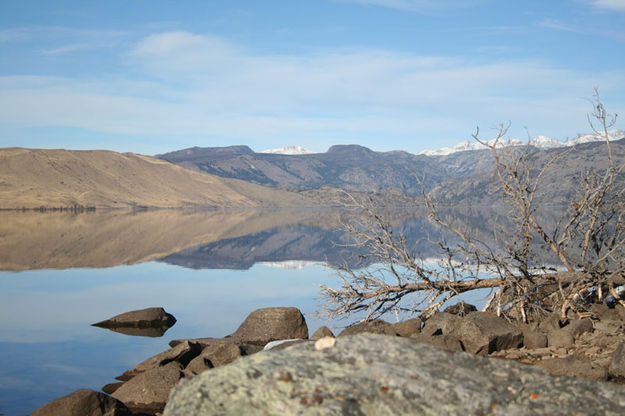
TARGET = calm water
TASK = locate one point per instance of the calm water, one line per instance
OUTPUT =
(61, 273)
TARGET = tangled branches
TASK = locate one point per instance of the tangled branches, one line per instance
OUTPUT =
(587, 241)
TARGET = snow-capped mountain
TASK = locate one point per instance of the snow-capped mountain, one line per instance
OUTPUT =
(289, 150)
(595, 137)
(541, 142)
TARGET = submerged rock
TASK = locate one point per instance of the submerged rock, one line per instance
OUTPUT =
(144, 318)
(150, 332)
(371, 374)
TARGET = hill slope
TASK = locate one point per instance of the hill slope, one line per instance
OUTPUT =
(462, 177)
(59, 178)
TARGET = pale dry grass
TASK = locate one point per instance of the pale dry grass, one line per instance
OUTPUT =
(32, 178)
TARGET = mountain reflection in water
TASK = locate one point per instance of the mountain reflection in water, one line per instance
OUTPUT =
(220, 239)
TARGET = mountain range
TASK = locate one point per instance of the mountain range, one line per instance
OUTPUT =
(238, 177)
(463, 176)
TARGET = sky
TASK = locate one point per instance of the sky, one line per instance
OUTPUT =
(152, 76)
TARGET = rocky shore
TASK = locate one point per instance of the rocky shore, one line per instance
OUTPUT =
(459, 361)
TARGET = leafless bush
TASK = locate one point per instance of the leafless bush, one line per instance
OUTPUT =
(588, 242)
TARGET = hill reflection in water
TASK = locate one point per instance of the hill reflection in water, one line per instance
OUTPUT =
(219, 239)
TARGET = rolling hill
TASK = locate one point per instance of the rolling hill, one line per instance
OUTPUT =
(31, 178)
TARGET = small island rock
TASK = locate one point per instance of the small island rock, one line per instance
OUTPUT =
(144, 318)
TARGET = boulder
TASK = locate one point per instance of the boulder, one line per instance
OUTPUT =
(553, 321)
(533, 338)
(271, 324)
(144, 318)
(148, 392)
(214, 356)
(370, 374)
(574, 365)
(483, 333)
(443, 341)
(441, 323)
(181, 353)
(198, 365)
(84, 403)
(579, 327)
(322, 332)
(408, 328)
(460, 309)
(560, 338)
(111, 387)
(377, 326)
(616, 370)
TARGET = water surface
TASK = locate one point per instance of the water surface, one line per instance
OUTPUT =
(62, 272)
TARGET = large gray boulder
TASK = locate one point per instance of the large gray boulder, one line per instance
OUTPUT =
(84, 402)
(271, 324)
(144, 318)
(371, 374)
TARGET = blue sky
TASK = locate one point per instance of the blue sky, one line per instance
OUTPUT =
(152, 76)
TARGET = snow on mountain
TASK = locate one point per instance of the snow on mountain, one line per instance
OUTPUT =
(289, 150)
(469, 145)
(541, 142)
(595, 137)
(289, 264)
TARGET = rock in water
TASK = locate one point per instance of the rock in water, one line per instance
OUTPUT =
(371, 374)
(271, 324)
(144, 318)
(84, 402)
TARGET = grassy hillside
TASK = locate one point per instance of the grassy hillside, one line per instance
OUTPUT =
(31, 178)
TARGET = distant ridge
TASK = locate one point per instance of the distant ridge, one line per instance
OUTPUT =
(540, 142)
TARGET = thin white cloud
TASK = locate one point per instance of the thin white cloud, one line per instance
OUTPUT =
(617, 5)
(586, 30)
(559, 25)
(209, 87)
(13, 35)
(421, 6)
(66, 49)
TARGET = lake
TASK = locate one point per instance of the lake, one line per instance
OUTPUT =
(62, 272)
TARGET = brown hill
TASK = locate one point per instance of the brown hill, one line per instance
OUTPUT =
(31, 178)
